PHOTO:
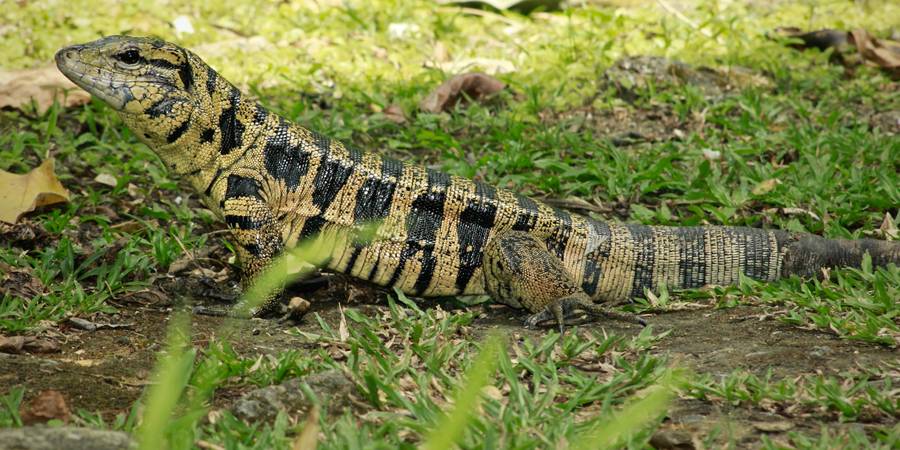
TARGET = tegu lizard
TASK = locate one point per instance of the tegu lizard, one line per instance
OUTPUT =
(275, 183)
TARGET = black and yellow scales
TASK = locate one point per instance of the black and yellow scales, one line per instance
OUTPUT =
(276, 183)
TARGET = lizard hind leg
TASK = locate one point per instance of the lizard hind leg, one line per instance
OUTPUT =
(519, 271)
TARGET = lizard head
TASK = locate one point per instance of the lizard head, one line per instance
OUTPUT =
(148, 81)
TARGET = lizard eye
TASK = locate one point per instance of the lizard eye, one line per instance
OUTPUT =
(129, 57)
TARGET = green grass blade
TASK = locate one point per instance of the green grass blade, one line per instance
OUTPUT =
(451, 426)
(635, 416)
(171, 377)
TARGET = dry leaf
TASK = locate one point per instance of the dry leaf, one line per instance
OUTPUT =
(21, 283)
(791, 211)
(440, 53)
(491, 392)
(395, 114)
(888, 228)
(489, 66)
(343, 333)
(47, 406)
(107, 179)
(43, 84)
(712, 155)
(473, 85)
(882, 53)
(766, 186)
(308, 439)
(20, 194)
(879, 52)
(27, 344)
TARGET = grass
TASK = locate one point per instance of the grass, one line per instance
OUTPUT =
(805, 153)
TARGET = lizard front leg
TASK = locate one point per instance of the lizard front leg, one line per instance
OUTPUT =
(257, 242)
(519, 271)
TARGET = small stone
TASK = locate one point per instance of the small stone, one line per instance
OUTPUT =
(773, 427)
(53, 438)
(331, 387)
(297, 307)
(672, 439)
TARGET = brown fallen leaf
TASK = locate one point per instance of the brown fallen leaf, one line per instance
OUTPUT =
(20, 194)
(27, 344)
(20, 283)
(473, 85)
(881, 53)
(47, 406)
(395, 114)
(43, 85)
(888, 228)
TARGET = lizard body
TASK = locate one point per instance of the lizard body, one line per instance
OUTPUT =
(275, 183)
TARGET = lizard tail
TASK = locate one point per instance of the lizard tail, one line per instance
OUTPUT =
(806, 255)
(639, 257)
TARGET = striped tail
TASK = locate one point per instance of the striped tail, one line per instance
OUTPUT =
(635, 258)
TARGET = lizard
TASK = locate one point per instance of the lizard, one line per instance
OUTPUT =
(276, 183)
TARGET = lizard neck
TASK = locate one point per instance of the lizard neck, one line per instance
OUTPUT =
(220, 127)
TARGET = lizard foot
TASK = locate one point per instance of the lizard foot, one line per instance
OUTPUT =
(564, 308)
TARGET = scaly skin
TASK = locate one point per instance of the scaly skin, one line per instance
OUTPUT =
(275, 183)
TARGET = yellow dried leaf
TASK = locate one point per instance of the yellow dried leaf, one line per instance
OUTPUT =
(20, 194)
(764, 187)
(43, 85)
(308, 439)
(106, 179)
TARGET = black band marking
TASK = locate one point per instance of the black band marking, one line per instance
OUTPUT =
(283, 161)
(207, 135)
(331, 176)
(391, 168)
(691, 256)
(527, 216)
(373, 200)
(239, 186)
(211, 77)
(178, 132)
(422, 225)
(242, 222)
(475, 223)
(186, 72)
(231, 128)
(592, 269)
(642, 238)
(557, 243)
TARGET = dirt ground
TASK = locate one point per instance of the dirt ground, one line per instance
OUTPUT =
(106, 370)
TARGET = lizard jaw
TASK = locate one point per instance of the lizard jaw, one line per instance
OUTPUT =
(92, 79)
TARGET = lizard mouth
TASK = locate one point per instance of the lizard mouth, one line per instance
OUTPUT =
(95, 80)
